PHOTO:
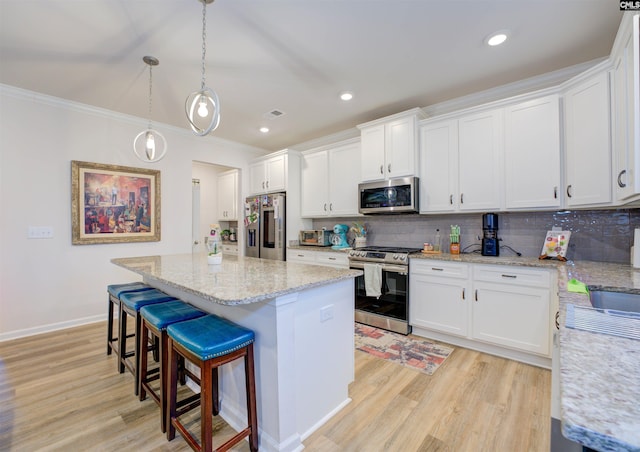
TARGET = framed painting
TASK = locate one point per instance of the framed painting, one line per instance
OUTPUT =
(114, 204)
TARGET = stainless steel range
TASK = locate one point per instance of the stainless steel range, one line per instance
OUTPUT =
(382, 293)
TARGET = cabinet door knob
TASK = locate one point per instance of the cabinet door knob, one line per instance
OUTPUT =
(555, 192)
(476, 295)
(262, 184)
(461, 198)
(330, 206)
(463, 295)
(569, 191)
(451, 199)
(325, 207)
(267, 184)
(381, 170)
(620, 183)
(389, 167)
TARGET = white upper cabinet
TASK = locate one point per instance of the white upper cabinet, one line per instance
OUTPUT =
(330, 180)
(439, 166)
(389, 146)
(532, 154)
(480, 145)
(587, 142)
(228, 196)
(268, 175)
(461, 162)
(625, 90)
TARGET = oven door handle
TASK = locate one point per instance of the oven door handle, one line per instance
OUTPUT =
(403, 270)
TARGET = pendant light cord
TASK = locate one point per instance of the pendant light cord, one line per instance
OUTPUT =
(150, 92)
(204, 40)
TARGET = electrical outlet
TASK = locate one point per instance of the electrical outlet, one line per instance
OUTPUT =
(326, 313)
(39, 232)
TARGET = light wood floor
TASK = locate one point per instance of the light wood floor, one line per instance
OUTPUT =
(60, 391)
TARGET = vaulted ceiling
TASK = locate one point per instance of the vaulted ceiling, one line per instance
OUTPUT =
(294, 56)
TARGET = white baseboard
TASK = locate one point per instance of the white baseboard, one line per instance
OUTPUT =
(51, 327)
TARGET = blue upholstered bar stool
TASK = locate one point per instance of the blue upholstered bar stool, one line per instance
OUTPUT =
(130, 304)
(209, 342)
(113, 302)
(155, 320)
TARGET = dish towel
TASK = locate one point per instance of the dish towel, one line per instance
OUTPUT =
(373, 280)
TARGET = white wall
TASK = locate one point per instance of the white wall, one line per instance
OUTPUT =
(48, 284)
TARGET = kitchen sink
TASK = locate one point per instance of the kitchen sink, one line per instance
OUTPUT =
(616, 301)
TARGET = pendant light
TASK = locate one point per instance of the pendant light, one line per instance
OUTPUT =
(150, 145)
(203, 107)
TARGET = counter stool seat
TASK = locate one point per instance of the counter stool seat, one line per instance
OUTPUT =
(130, 304)
(155, 320)
(209, 342)
(113, 301)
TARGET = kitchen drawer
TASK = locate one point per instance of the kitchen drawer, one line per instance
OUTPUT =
(333, 259)
(512, 275)
(438, 268)
(301, 256)
(230, 249)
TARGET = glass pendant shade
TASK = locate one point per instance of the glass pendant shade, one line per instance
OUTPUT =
(150, 145)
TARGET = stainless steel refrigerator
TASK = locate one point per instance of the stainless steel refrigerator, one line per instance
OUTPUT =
(265, 226)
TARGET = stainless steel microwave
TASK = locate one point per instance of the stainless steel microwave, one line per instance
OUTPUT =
(398, 195)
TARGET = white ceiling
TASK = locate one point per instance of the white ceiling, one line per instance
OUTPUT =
(291, 55)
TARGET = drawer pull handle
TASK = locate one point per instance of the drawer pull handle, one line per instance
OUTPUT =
(509, 276)
(463, 295)
(476, 295)
(332, 258)
(436, 269)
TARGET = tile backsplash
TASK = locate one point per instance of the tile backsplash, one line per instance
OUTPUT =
(596, 235)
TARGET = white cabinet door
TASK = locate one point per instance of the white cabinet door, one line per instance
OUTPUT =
(276, 173)
(515, 317)
(343, 179)
(400, 148)
(511, 307)
(439, 166)
(257, 177)
(532, 154)
(228, 196)
(588, 150)
(439, 297)
(372, 160)
(480, 160)
(626, 111)
(315, 189)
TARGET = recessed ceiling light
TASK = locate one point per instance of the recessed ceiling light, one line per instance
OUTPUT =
(497, 38)
(264, 129)
(346, 95)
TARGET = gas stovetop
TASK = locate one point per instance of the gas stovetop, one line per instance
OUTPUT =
(390, 254)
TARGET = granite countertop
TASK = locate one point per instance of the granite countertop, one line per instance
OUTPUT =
(238, 280)
(599, 373)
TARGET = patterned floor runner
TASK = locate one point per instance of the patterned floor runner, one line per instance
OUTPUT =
(416, 353)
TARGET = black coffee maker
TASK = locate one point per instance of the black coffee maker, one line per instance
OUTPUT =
(490, 241)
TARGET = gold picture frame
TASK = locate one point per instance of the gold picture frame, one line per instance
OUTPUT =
(114, 204)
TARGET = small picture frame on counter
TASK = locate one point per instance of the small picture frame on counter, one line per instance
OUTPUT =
(555, 245)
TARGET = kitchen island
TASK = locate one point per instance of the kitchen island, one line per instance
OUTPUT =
(303, 319)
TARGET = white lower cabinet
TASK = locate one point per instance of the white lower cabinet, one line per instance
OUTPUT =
(438, 299)
(326, 258)
(492, 308)
(511, 307)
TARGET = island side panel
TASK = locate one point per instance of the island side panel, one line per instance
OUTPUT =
(324, 353)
